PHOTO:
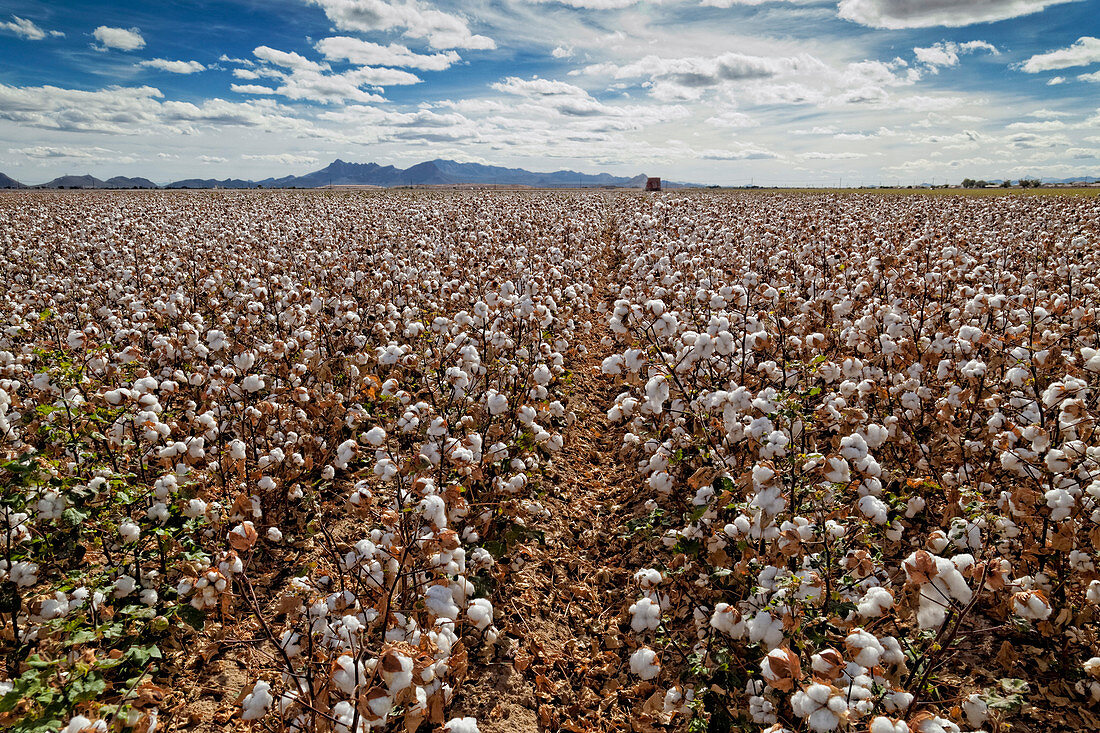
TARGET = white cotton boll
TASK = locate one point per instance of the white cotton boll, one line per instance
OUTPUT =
(976, 710)
(496, 403)
(480, 612)
(882, 724)
(434, 510)
(874, 509)
(80, 724)
(461, 725)
(837, 470)
(274, 535)
(396, 671)
(376, 436)
(661, 482)
(864, 648)
(1092, 595)
(253, 383)
(440, 602)
(1031, 605)
(648, 578)
(853, 447)
(728, 620)
(256, 703)
(348, 675)
(875, 602)
(1060, 501)
(129, 532)
(646, 615)
(542, 375)
(766, 630)
(644, 663)
(236, 450)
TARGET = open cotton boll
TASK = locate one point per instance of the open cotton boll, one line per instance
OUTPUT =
(129, 532)
(864, 648)
(645, 615)
(256, 703)
(648, 578)
(376, 436)
(875, 602)
(874, 509)
(440, 602)
(81, 724)
(882, 724)
(461, 725)
(480, 612)
(1031, 604)
(644, 663)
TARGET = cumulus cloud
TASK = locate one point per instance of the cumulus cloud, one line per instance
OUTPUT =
(946, 53)
(26, 29)
(1093, 77)
(133, 111)
(895, 14)
(411, 17)
(1085, 50)
(287, 59)
(123, 39)
(1055, 81)
(173, 67)
(365, 53)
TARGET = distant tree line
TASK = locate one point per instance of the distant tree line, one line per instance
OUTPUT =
(1006, 183)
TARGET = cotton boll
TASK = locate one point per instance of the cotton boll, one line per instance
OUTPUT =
(644, 663)
(864, 648)
(645, 615)
(648, 578)
(976, 710)
(129, 532)
(1031, 604)
(440, 602)
(376, 436)
(875, 602)
(461, 725)
(256, 703)
(481, 613)
(874, 509)
(882, 724)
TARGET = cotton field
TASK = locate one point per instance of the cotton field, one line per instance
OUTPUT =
(312, 461)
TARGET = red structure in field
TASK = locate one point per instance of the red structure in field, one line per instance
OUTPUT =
(653, 184)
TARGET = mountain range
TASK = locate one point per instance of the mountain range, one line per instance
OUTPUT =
(341, 173)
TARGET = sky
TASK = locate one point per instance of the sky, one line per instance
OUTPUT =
(771, 92)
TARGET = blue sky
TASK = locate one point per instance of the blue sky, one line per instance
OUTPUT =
(714, 91)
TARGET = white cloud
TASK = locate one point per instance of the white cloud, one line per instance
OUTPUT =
(895, 14)
(737, 120)
(212, 159)
(831, 156)
(365, 53)
(562, 52)
(287, 59)
(442, 30)
(174, 67)
(133, 111)
(27, 29)
(593, 4)
(122, 39)
(946, 53)
(1094, 76)
(1085, 50)
(1056, 80)
(283, 158)
(48, 152)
